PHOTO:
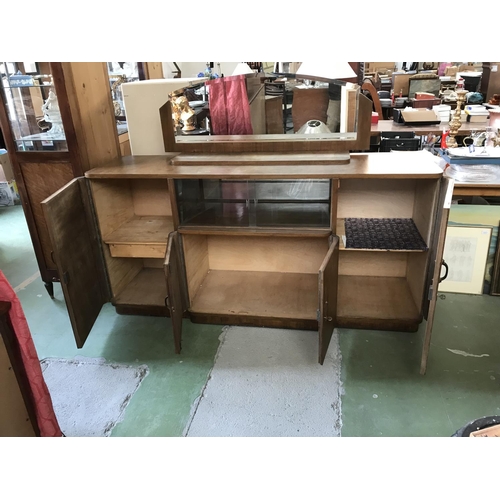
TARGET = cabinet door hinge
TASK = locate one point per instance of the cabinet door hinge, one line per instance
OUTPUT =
(431, 293)
(318, 315)
(65, 277)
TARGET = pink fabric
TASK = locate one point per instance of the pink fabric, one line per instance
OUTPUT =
(229, 106)
(442, 68)
(46, 418)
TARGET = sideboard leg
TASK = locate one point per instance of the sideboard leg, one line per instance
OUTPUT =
(49, 286)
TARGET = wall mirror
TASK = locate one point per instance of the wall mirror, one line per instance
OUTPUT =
(265, 107)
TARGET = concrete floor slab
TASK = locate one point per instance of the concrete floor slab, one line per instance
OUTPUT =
(268, 383)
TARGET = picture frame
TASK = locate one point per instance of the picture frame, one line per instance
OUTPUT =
(495, 275)
(466, 253)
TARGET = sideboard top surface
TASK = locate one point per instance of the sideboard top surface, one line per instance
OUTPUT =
(408, 164)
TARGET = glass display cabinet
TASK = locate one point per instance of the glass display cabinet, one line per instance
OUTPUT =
(32, 109)
(57, 122)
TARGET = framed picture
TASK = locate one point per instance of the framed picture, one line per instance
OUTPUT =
(495, 276)
(30, 68)
(466, 252)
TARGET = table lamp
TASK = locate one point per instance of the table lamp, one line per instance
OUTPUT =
(325, 71)
(242, 68)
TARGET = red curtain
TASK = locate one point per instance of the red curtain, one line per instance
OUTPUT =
(229, 106)
(46, 418)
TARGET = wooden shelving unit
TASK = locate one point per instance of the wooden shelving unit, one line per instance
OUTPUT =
(254, 293)
(147, 289)
(141, 236)
(378, 302)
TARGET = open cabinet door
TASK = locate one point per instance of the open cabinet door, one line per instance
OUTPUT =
(445, 195)
(175, 296)
(77, 255)
(328, 285)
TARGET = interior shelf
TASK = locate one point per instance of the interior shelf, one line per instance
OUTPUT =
(266, 294)
(141, 236)
(375, 298)
(366, 234)
(148, 288)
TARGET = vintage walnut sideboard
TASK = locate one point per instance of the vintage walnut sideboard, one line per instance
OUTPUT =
(251, 239)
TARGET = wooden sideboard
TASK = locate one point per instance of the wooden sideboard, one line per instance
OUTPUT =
(250, 239)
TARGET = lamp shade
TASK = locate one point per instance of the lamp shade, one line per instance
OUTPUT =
(242, 69)
(325, 70)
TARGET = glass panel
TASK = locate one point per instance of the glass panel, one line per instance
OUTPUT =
(260, 203)
(307, 190)
(33, 110)
(293, 214)
(221, 214)
(190, 199)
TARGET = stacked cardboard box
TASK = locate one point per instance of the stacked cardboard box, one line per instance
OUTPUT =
(443, 112)
(476, 113)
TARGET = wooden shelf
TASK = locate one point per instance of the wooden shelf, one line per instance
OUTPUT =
(342, 235)
(148, 288)
(306, 232)
(310, 166)
(141, 236)
(363, 301)
(264, 294)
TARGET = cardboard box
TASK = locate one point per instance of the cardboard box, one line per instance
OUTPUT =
(493, 431)
(424, 95)
(373, 67)
(6, 172)
(442, 108)
(451, 71)
(6, 195)
(425, 103)
(423, 116)
(477, 118)
(401, 83)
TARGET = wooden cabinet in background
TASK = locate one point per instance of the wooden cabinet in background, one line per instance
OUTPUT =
(490, 80)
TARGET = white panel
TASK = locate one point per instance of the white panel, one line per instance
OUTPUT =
(142, 101)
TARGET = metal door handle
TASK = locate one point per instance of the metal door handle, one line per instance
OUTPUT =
(443, 263)
(328, 318)
(167, 303)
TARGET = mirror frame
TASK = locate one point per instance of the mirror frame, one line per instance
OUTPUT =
(251, 144)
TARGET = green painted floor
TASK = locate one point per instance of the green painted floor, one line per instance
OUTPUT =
(384, 395)
(162, 405)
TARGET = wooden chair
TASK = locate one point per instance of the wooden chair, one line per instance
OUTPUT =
(279, 89)
(377, 107)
